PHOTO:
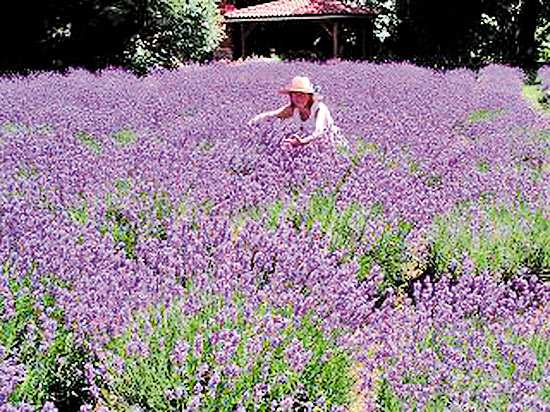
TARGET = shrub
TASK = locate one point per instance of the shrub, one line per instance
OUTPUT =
(39, 357)
(498, 239)
(221, 354)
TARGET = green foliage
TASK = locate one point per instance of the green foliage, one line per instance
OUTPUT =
(26, 172)
(125, 137)
(79, 213)
(123, 231)
(524, 25)
(344, 227)
(274, 213)
(55, 374)
(123, 186)
(483, 166)
(434, 180)
(503, 241)
(386, 400)
(11, 334)
(180, 357)
(99, 33)
(389, 252)
(174, 31)
(154, 209)
(535, 95)
(13, 128)
(544, 135)
(52, 359)
(385, 22)
(205, 145)
(483, 115)
(345, 230)
(542, 36)
(542, 33)
(494, 349)
(89, 141)
(541, 348)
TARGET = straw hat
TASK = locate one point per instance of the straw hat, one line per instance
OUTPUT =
(299, 84)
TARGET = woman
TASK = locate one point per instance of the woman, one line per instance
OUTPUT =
(311, 116)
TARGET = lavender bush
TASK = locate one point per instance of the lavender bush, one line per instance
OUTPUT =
(216, 354)
(407, 271)
(496, 238)
(544, 74)
(466, 345)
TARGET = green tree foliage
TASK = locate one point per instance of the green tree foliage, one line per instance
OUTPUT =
(465, 32)
(138, 34)
(387, 19)
(172, 31)
(141, 34)
(513, 31)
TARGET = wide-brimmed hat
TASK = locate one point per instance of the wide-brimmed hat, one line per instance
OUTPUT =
(299, 84)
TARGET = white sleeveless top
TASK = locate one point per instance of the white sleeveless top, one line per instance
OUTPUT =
(319, 123)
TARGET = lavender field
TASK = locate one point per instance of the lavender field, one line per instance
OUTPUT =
(157, 254)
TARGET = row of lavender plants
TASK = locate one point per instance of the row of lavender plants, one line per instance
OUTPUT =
(544, 73)
(158, 254)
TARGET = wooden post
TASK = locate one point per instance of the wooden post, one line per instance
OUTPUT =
(327, 29)
(335, 39)
(244, 35)
(363, 40)
(242, 41)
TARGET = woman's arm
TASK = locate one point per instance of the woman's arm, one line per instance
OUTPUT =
(280, 112)
(321, 124)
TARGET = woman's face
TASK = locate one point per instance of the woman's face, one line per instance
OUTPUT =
(299, 99)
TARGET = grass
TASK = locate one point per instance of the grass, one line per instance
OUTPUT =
(534, 94)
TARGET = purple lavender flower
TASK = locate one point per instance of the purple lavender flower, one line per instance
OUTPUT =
(297, 356)
(107, 231)
(137, 348)
(49, 407)
(180, 352)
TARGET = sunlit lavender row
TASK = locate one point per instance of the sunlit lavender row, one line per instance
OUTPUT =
(158, 253)
(544, 73)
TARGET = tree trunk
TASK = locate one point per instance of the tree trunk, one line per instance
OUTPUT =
(525, 33)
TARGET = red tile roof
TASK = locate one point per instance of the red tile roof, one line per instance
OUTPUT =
(292, 8)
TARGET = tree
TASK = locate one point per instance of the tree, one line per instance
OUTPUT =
(438, 32)
(172, 31)
(138, 34)
(512, 31)
(526, 48)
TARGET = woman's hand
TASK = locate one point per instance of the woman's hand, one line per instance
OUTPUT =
(253, 121)
(294, 141)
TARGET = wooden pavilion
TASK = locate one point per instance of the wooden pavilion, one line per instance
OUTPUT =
(331, 15)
